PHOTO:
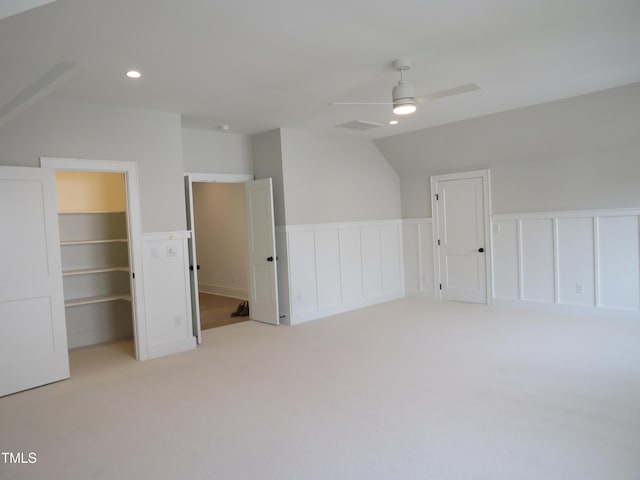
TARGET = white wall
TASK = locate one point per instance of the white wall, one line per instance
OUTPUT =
(336, 178)
(59, 128)
(221, 238)
(216, 152)
(573, 154)
(267, 163)
(332, 195)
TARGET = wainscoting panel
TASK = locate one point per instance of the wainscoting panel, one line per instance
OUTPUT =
(167, 293)
(417, 242)
(411, 248)
(538, 277)
(334, 268)
(576, 280)
(618, 262)
(328, 268)
(391, 258)
(577, 259)
(302, 271)
(506, 271)
(350, 264)
(371, 262)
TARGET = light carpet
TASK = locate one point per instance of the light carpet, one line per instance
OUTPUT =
(409, 389)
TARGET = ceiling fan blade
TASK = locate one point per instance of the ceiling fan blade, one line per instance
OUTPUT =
(361, 103)
(468, 87)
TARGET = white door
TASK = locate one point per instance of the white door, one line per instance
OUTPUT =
(193, 261)
(261, 240)
(33, 334)
(461, 210)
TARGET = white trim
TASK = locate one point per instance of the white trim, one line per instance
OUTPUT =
(167, 235)
(219, 177)
(596, 261)
(416, 221)
(224, 291)
(556, 263)
(613, 212)
(520, 260)
(313, 314)
(130, 170)
(334, 226)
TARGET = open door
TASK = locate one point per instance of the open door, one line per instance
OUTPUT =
(263, 285)
(193, 261)
(33, 334)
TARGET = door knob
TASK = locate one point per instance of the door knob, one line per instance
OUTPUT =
(481, 249)
(269, 259)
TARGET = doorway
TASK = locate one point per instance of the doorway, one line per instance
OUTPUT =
(262, 288)
(220, 237)
(460, 209)
(103, 251)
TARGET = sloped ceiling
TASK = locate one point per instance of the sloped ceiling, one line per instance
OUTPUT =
(262, 65)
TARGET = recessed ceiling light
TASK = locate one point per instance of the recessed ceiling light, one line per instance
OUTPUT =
(393, 122)
(134, 74)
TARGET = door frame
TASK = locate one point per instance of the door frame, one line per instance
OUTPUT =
(134, 224)
(485, 175)
(197, 177)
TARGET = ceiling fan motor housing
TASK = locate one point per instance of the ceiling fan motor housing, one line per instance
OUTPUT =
(403, 91)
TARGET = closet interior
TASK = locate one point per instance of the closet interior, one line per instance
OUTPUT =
(92, 212)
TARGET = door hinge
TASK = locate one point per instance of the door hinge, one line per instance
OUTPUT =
(437, 198)
(438, 242)
(440, 286)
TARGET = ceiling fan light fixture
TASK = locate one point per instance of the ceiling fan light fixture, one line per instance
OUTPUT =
(403, 98)
(404, 106)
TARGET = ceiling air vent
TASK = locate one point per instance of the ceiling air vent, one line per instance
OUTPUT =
(359, 125)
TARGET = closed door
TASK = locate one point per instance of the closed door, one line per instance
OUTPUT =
(33, 336)
(460, 202)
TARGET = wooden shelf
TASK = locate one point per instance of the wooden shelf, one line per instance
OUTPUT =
(86, 271)
(74, 302)
(84, 212)
(88, 242)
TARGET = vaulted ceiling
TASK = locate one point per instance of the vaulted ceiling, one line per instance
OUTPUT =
(259, 65)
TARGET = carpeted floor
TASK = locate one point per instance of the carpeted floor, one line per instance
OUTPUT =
(410, 389)
(215, 311)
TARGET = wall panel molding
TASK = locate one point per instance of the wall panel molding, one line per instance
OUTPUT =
(337, 267)
(584, 259)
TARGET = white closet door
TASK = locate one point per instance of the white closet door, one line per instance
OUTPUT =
(263, 284)
(193, 260)
(33, 336)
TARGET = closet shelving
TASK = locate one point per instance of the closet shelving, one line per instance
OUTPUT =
(95, 264)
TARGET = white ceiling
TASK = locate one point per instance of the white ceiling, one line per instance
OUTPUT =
(260, 65)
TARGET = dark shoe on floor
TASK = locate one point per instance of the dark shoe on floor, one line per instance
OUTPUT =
(240, 309)
(245, 310)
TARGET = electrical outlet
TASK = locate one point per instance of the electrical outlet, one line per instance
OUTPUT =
(172, 251)
(154, 252)
(579, 289)
(497, 228)
(177, 321)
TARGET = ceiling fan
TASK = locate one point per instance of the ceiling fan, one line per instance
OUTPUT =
(403, 96)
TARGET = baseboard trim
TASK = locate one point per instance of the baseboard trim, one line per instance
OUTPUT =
(169, 348)
(223, 291)
(301, 317)
(592, 312)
